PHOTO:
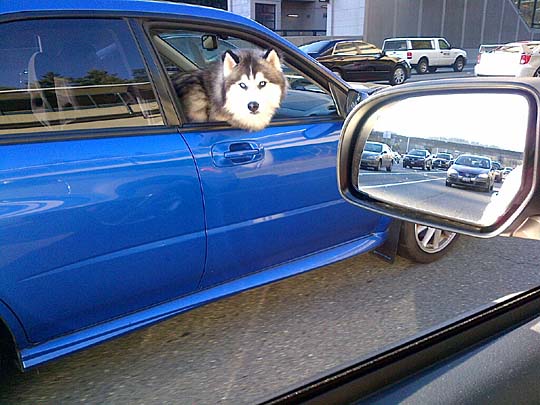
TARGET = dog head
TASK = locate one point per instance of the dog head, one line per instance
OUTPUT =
(254, 86)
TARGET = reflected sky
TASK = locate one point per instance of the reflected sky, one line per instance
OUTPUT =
(498, 120)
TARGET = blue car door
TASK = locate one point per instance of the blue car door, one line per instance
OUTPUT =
(270, 196)
(101, 212)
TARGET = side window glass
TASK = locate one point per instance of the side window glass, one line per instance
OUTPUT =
(52, 78)
(421, 44)
(443, 44)
(183, 57)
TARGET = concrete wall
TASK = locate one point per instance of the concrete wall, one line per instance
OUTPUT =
(345, 17)
(465, 23)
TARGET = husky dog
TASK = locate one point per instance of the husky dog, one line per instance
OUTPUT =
(244, 88)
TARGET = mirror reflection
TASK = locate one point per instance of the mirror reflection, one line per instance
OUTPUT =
(457, 155)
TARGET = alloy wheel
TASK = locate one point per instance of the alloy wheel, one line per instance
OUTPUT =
(432, 240)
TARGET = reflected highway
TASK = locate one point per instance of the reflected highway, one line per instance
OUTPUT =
(425, 190)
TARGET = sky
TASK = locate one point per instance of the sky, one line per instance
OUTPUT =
(491, 119)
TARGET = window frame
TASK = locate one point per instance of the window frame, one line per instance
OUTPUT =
(185, 24)
(76, 134)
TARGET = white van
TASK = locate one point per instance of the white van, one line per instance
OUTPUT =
(426, 54)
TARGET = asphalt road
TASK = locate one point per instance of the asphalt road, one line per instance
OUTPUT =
(246, 347)
(425, 190)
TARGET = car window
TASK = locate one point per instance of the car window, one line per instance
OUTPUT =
(397, 45)
(421, 44)
(83, 82)
(355, 48)
(418, 152)
(317, 46)
(373, 147)
(443, 44)
(304, 97)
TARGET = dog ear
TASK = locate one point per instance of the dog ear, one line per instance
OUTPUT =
(230, 60)
(272, 57)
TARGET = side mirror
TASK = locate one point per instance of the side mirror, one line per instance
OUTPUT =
(464, 198)
(209, 42)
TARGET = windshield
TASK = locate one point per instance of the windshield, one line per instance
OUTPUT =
(444, 156)
(373, 147)
(315, 47)
(473, 161)
(422, 153)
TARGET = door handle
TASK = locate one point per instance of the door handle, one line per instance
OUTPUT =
(226, 154)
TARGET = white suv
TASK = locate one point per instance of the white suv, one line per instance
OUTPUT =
(426, 54)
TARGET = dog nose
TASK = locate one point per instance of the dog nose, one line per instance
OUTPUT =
(253, 106)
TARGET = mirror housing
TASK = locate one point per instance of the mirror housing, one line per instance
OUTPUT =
(209, 42)
(518, 215)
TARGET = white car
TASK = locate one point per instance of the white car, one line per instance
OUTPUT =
(517, 59)
(426, 54)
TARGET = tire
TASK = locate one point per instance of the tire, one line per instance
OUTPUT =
(459, 64)
(537, 73)
(389, 167)
(422, 67)
(448, 184)
(399, 75)
(411, 244)
(424, 167)
(432, 69)
(430, 167)
(378, 167)
(404, 165)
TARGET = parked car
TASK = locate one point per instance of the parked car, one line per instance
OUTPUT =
(116, 214)
(426, 54)
(362, 61)
(497, 171)
(471, 171)
(518, 59)
(506, 171)
(442, 160)
(377, 155)
(418, 158)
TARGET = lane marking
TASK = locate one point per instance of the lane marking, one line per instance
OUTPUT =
(399, 184)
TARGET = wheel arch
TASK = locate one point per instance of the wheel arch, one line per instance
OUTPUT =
(12, 335)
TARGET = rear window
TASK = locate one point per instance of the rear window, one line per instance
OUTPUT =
(421, 44)
(395, 45)
(355, 48)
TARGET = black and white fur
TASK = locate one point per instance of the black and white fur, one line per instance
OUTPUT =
(244, 88)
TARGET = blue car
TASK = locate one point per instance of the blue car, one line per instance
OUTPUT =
(116, 214)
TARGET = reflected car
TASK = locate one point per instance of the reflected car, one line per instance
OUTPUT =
(316, 48)
(506, 171)
(362, 61)
(442, 160)
(418, 158)
(376, 155)
(497, 171)
(518, 59)
(471, 171)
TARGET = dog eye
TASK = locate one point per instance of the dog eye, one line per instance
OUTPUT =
(243, 86)
(262, 84)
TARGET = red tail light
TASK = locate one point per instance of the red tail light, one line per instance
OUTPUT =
(409, 55)
(525, 58)
(478, 58)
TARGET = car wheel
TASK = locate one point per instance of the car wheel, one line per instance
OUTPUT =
(537, 73)
(398, 76)
(424, 167)
(389, 167)
(432, 69)
(378, 167)
(448, 184)
(424, 244)
(404, 165)
(430, 167)
(459, 64)
(422, 66)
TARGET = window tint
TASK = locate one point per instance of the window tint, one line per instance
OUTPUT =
(53, 78)
(355, 48)
(421, 44)
(182, 53)
(395, 46)
(443, 44)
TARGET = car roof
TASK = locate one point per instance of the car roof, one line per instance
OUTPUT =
(406, 38)
(122, 6)
(474, 156)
